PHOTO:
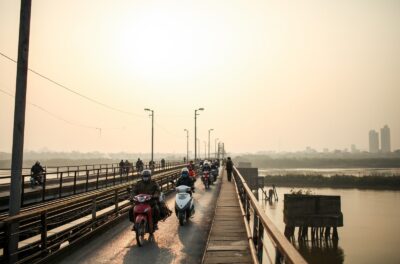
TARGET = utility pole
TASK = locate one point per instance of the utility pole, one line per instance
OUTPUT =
(211, 129)
(215, 148)
(19, 129)
(152, 133)
(205, 150)
(195, 132)
(187, 145)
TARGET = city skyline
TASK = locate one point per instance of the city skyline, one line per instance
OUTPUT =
(384, 145)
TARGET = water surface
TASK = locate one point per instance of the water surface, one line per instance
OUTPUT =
(371, 231)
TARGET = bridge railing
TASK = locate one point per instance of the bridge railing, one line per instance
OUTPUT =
(62, 183)
(285, 252)
(45, 231)
(5, 174)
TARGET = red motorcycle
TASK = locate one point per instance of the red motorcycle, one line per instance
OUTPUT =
(142, 217)
(206, 179)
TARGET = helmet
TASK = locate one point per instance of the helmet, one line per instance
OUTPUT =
(146, 175)
(185, 172)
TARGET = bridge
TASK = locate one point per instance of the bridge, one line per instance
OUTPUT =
(82, 218)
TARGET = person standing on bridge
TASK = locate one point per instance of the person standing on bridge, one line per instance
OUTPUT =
(121, 167)
(148, 186)
(229, 168)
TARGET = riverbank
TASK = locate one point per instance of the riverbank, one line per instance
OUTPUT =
(342, 181)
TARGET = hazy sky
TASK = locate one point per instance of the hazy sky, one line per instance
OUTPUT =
(271, 75)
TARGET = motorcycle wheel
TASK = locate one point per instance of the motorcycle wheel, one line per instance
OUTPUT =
(181, 219)
(140, 230)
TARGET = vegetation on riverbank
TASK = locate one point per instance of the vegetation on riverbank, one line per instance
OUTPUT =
(320, 162)
(342, 181)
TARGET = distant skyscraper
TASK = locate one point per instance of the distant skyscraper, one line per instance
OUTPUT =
(385, 139)
(373, 141)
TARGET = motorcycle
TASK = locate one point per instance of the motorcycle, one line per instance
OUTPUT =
(206, 179)
(214, 173)
(184, 205)
(36, 179)
(142, 217)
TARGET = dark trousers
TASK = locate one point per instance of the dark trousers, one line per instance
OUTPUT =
(229, 174)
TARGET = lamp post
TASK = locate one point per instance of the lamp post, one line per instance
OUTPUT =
(209, 131)
(195, 131)
(187, 145)
(205, 149)
(152, 133)
(215, 147)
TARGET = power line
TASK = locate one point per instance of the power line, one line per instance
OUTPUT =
(73, 91)
(53, 115)
(81, 95)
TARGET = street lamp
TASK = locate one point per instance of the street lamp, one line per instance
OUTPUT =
(195, 131)
(215, 147)
(187, 145)
(205, 149)
(209, 131)
(152, 133)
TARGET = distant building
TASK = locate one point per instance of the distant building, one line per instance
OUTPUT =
(354, 149)
(373, 141)
(385, 139)
(310, 150)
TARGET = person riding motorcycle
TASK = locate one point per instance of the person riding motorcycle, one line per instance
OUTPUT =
(206, 167)
(36, 174)
(139, 165)
(148, 186)
(184, 179)
(191, 165)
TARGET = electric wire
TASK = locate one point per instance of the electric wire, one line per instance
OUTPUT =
(52, 114)
(83, 96)
(73, 91)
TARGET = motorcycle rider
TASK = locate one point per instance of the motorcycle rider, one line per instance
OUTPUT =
(214, 166)
(36, 174)
(148, 186)
(139, 165)
(191, 165)
(206, 167)
(184, 179)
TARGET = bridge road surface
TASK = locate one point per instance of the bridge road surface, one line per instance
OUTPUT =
(173, 243)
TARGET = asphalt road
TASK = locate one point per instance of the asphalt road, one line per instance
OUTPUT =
(173, 243)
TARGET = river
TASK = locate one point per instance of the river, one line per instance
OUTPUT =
(371, 231)
(332, 171)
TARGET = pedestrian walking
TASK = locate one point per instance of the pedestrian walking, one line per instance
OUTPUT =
(229, 168)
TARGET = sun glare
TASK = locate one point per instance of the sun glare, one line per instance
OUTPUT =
(164, 45)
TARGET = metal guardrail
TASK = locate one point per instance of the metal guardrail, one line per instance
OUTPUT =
(5, 174)
(65, 183)
(45, 231)
(285, 252)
